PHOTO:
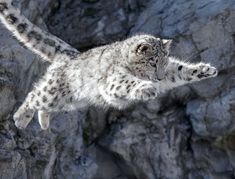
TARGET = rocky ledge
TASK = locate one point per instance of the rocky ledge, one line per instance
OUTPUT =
(186, 133)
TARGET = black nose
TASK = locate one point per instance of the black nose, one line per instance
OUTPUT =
(160, 74)
(159, 79)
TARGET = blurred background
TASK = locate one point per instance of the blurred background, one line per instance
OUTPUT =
(185, 133)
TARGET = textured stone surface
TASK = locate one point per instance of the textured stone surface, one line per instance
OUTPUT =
(94, 22)
(188, 132)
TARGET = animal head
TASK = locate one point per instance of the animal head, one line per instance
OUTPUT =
(147, 56)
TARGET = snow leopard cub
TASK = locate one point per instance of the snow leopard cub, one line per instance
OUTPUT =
(117, 75)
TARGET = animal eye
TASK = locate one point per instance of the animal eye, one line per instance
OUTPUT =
(151, 59)
(165, 52)
(153, 64)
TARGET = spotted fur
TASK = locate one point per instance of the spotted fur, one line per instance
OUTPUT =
(39, 41)
(117, 75)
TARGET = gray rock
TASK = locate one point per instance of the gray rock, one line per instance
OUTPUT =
(90, 23)
(213, 117)
(149, 147)
(187, 132)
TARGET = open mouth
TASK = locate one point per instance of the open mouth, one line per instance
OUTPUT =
(156, 79)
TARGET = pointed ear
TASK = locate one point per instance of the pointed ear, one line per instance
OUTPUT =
(167, 43)
(143, 49)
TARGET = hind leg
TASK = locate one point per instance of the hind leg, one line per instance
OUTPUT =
(43, 98)
(44, 119)
(24, 114)
(35, 101)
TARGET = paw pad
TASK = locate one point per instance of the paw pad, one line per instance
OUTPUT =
(206, 71)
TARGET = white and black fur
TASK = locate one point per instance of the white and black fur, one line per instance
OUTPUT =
(136, 69)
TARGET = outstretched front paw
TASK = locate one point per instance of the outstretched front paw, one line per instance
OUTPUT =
(203, 71)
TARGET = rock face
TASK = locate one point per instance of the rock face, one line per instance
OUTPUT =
(186, 133)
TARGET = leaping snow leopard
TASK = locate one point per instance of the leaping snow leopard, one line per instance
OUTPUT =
(117, 75)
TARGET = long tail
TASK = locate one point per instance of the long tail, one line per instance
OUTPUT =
(39, 41)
